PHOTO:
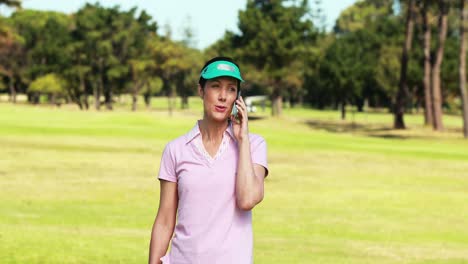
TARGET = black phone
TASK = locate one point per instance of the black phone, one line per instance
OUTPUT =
(234, 108)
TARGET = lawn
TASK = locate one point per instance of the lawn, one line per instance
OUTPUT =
(81, 187)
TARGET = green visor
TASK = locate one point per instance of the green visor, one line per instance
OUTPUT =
(221, 68)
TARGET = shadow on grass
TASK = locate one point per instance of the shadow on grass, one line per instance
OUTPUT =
(253, 118)
(381, 130)
(370, 130)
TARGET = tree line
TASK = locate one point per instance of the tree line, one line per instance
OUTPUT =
(97, 51)
(403, 56)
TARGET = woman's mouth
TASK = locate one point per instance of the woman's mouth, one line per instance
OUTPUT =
(219, 108)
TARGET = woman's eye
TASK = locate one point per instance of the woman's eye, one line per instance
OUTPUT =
(232, 89)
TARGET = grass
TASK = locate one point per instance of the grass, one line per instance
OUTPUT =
(80, 187)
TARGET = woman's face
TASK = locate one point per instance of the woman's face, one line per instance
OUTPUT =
(219, 96)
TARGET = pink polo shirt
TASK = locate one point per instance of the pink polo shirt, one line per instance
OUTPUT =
(210, 228)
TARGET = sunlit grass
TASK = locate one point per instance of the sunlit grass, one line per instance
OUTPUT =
(80, 187)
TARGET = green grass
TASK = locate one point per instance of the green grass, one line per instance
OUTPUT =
(80, 187)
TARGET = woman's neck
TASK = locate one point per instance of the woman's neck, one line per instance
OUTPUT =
(212, 131)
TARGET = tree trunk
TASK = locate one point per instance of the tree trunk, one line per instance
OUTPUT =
(184, 102)
(85, 101)
(147, 97)
(277, 105)
(300, 99)
(79, 103)
(171, 99)
(79, 93)
(76, 97)
(108, 97)
(402, 94)
(343, 110)
(12, 90)
(462, 70)
(97, 96)
(36, 98)
(136, 90)
(53, 99)
(428, 118)
(277, 101)
(360, 104)
(134, 100)
(436, 89)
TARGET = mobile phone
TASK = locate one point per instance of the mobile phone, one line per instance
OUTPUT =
(234, 108)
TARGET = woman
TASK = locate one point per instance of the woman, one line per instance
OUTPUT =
(211, 178)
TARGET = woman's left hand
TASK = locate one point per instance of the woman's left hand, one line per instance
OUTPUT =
(240, 126)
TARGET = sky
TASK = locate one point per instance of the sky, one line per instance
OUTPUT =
(209, 18)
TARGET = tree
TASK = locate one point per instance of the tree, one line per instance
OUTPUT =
(76, 76)
(50, 84)
(175, 62)
(389, 69)
(347, 66)
(317, 93)
(403, 86)
(362, 14)
(152, 87)
(338, 71)
(12, 57)
(426, 28)
(91, 25)
(141, 73)
(139, 34)
(130, 47)
(369, 33)
(435, 85)
(11, 3)
(462, 69)
(46, 35)
(111, 42)
(46, 38)
(272, 36)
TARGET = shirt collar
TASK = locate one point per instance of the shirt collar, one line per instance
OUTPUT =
(196, 131)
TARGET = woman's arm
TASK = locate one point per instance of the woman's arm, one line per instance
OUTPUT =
(164, 224)
(250, 177)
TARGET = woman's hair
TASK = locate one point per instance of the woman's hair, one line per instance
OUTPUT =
(202, 81)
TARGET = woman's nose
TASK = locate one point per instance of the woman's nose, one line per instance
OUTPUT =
(222, 95)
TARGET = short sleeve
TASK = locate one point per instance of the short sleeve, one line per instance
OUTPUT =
(167, 170)
(259, 151)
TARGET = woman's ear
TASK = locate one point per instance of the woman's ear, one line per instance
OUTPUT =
(201, 93)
